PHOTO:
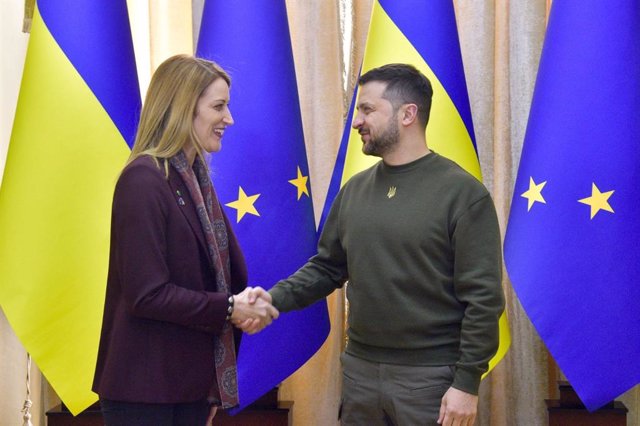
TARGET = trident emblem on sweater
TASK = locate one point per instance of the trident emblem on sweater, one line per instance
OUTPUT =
(392, 192)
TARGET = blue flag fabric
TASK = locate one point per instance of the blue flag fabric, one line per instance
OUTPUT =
(338, 169)
(97, 40)
(571, 244)
(261, 177)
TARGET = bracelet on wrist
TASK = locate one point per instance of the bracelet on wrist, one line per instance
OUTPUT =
(230, 307)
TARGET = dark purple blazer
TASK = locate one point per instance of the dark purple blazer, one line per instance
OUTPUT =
(161, 308)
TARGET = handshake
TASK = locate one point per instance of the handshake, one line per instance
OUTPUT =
(252, 310)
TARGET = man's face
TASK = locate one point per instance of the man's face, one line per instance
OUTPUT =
(376, 120)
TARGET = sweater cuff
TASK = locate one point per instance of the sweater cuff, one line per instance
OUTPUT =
(466, 381)
(278, 299)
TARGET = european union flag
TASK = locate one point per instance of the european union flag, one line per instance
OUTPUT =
(571, 247)
(262, 178)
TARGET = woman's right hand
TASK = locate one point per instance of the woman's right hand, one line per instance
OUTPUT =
(252, 310)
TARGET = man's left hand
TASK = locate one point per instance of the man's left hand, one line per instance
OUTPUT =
(458, 408)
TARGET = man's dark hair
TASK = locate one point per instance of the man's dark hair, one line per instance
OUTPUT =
(405, 85)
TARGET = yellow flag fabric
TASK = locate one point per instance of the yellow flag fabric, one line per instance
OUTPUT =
(65, 153)
(424, 34)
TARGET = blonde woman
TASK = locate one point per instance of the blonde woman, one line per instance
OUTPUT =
(167, 348)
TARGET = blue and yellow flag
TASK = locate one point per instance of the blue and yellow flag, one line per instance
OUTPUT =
(262, 178)
(571, 247)
(423, 34)
(77, 109)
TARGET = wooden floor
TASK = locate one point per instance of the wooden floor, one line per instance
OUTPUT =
(266, 411)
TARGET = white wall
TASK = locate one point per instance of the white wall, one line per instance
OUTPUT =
(13, 370)
(13, 47)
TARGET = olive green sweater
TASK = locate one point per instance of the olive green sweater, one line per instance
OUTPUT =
(420, 246)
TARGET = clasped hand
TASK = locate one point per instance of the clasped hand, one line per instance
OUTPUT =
(252, 310)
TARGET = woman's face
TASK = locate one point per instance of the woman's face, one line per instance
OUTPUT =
(212, 115)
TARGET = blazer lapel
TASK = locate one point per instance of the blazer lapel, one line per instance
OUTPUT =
(181, 195)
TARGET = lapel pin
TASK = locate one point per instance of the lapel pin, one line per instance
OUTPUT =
(180, 199)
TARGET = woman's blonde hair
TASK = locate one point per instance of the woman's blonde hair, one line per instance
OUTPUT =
(166, 120)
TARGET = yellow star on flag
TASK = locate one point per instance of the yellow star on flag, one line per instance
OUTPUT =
(534, 193)
(598, 200)
(244, 204)
(301, 183)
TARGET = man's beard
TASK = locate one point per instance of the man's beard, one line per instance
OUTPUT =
(385, 143)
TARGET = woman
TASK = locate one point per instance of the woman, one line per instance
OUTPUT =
(168, 349)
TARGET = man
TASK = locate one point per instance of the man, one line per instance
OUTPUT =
(417, 237)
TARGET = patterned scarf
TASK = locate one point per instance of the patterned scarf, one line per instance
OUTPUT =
(213, 225)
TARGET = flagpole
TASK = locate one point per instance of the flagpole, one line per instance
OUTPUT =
(26, 408)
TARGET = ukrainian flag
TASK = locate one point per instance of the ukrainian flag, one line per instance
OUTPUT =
(424, 34)
(262, 178)
(77, 110)
(571, 246)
